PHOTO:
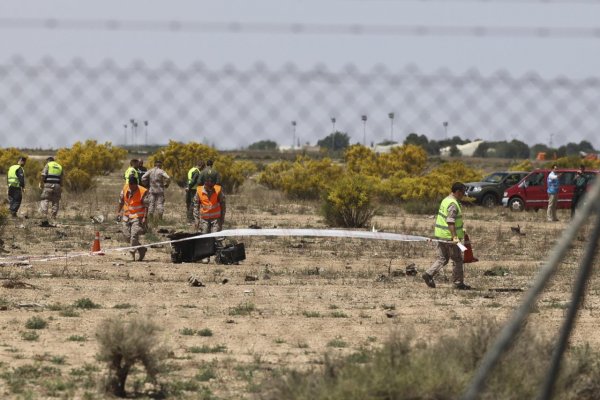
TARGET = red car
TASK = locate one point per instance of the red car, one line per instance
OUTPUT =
(530, 193)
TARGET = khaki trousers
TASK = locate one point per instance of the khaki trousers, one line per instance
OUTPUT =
(447, 252)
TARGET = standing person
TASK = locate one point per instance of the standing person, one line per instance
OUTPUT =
(209, 171)
(209, 208)
(132, 211)
(581, 182)
(51, 186)
(15, 179)
(552, 189)
(156, 179)
(193, 180)
(141, 171)
(132, 171)
(449, 226)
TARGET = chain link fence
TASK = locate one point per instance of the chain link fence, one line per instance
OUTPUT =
(47, 104)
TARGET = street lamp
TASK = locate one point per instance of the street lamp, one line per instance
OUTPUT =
(135, 125)
(364, 120)
(332, 134)
(293, 134)
(391, 116)
(125, 132)
(146, 126)
(132, 123)
(445, 123)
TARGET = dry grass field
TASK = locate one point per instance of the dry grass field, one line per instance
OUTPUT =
(313, 296)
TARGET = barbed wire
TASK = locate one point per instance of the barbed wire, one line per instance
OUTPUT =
(298, 28)
(50, 104)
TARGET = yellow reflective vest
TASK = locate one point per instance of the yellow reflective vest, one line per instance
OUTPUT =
(11, 176)
(441, 226)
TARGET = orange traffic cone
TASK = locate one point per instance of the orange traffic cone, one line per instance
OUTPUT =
(96, 245)
(468, 253)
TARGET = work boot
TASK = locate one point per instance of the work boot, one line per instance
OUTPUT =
(461, 286)
(142, 251)
(428, 280)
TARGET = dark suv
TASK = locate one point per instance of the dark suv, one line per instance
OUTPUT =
(489, 191)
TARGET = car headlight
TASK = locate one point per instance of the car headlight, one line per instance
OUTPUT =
(476, 189)
(505, 194)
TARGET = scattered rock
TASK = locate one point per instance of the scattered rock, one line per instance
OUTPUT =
(117, 264)
(251, 278)
(164, 230)
(397, 272)
(107, 238)
(390, 314)
(411, 270)
(224, 281)
(152, 274)
(388, 306)
(266, 277)
(497, 271)
(383, 278)
(195, 282)
(254, 226)
(517, 230)
(229, 321)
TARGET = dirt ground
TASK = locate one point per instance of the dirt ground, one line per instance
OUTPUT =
(313, 295)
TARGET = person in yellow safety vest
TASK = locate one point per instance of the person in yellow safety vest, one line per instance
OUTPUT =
(51, 183)
(132, 171)
(15, 179)
(132, 212)
(449, 229)
(193, 179)
(209, 208)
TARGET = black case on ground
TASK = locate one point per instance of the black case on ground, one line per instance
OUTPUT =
(231, 254)
(191, 250)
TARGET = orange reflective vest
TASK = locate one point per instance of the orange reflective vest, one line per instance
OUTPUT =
(210, 206)
(133, 206)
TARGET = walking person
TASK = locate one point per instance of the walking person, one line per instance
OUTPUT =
(15, 179)
(449, 227)
(157, 180)
(193, 179)
(581, 182)
(209, 208)
(51, 185)
(132, 212)
(552, 187)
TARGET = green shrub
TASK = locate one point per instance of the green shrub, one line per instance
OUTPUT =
(86, 304)
(348, 203)
(410, 368)
(84, 161)
(242, 309)
(125, 343)
(36, 323)
(178, 158)
(205, 332)
(30, 336)
(204, 349)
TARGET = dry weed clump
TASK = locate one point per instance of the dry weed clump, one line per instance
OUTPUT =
(125, 343)
(406, 368)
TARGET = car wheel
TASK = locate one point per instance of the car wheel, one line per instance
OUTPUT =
(516, 204)
(489, 200)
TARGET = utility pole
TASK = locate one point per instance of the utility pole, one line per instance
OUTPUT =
(364, 120)
(391, 116)
(132, 124)
(146, 126)
(332, 134)
(125, 132)
(293, 134)
(445, 123)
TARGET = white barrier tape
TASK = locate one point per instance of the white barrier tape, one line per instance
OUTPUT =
(244, 232)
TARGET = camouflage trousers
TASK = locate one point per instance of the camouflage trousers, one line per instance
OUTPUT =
(133, 229)
(447, 252)
(210, 225)
(50, 200)
(157, 204)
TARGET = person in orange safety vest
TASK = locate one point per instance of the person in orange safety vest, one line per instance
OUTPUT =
(132, 211)
(209, 208)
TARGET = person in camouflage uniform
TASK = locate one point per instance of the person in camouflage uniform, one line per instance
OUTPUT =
(190, 190)
(52, 176)
(133, 212)
(209, 172)
(156, 179)
(209, 208)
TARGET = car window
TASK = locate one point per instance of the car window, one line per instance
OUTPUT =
(536, 179)
(513, 179)
(494, 178)
(566, 178)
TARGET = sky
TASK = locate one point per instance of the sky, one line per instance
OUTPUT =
(245, 32)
